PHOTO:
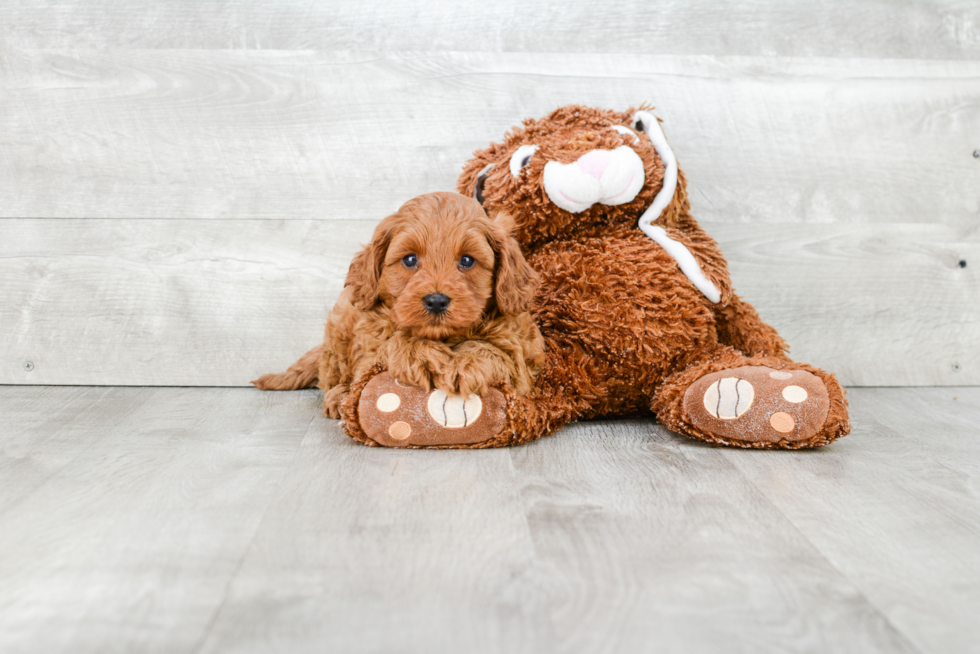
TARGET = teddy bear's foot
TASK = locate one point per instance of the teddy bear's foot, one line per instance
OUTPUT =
(395, 415)
(759, 405)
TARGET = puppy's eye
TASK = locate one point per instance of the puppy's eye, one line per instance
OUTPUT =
(521, 158)
(410, 261)
(466, 261)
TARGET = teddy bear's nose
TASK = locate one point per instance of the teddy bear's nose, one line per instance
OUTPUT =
(436, 303)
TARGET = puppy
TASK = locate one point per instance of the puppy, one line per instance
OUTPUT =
(440, 296)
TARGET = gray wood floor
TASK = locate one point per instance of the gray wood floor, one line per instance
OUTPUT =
(214, 520)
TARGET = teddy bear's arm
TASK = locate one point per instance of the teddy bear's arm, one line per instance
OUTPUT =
(709, 262)
(738, 323)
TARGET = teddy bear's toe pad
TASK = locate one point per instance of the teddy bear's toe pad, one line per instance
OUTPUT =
(756, 403)
(406, 416)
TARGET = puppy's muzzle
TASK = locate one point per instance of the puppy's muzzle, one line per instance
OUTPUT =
(436, 303)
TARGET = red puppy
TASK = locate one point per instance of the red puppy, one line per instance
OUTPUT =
(440, 296)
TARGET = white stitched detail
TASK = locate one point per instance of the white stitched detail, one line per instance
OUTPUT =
(626, 131)
(689, 265)
(653, 130)
(454, 411)
(728, 398)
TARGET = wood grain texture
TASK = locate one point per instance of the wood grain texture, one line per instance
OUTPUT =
(450, 552)
(694, 538)
(161, 302)
(873, 503)
(43, 430)
(321, 135)
(376, 550)
(868, 28)
(129, 544)
(877, 305)
(218, 520)
(166, 302)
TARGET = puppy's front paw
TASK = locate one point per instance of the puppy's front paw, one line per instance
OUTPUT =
(468, 374)
(419, 364)
(332, 400)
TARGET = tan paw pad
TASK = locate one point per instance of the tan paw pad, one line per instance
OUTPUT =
(400, 430)
(758, 404)
(782, 422)
(454, 411)
(794, 394)
(728, 398)
(396, 415)
(388, 402)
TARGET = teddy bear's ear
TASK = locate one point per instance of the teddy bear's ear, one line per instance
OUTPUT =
(481, 180)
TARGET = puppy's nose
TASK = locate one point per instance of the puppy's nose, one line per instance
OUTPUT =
(435, 303)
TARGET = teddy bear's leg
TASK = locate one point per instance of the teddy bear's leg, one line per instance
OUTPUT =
(381, 411)
(763, 402)
(740, 326)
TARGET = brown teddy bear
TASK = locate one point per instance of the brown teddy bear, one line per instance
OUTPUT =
(635, 306)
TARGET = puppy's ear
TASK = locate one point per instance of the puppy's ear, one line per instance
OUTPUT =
(364, 276)
(516, 281)
(503, 220)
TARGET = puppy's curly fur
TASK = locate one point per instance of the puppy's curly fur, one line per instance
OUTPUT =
(439, 244)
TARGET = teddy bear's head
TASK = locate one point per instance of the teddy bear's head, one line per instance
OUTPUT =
(577, 172)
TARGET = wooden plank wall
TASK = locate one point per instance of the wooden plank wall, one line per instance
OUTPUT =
(182, 184)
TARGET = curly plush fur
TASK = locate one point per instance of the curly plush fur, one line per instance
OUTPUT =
(625, 329)
(440, 243)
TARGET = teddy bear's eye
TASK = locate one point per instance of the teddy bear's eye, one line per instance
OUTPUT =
(521, 158)
(410, 261)
(466, 261)
(638, 125)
